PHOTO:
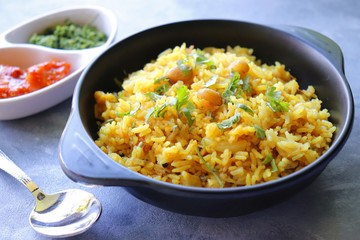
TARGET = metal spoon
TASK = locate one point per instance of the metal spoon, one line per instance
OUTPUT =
(62, 214)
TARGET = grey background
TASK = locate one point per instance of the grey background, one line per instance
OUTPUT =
(328, 209)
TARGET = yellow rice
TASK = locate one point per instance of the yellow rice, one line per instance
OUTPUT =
(165, 147)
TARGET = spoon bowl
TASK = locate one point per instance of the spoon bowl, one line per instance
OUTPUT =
(73, 212)
(63, 214)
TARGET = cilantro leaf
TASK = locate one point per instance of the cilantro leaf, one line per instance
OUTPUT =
(269, 159)
(187, 112)
(153, 96)
(157, 111)
(182, 97)
(232, 87)
(162, 88)
(201, 59)
(164, 85)
(207, 165)
(274, 101)
(228, 123)
(183, 105)
(273, 166)
(161, 79)
(245, 108)
(246, 85)
(260, 133)
(184, 68)
(130, 112)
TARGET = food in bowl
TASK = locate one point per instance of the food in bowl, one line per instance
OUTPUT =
(212, 118)
(15, 81)
(69, 36)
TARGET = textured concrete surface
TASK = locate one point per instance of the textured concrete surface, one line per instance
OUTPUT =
(328, 209)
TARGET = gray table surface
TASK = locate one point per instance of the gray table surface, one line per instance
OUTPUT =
(328, 209)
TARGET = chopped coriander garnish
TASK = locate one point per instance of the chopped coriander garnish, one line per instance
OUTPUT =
(269, 159)
(183, 105)
(203, 142)
(153, 96)
(123, 114)
(207, 165)
(274, 101)
(130, 112)
(182, 97)
(273, 166)
(190, 107)
(163, 88)
(245, 108)
(260, 133)
(232, 87)
(107, 121)
(184, 68)
(246, 85)
(157, 111)
(228, 123)
(161, 79)
(201, 59)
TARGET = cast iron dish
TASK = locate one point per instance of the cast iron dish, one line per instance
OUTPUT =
(313, 59)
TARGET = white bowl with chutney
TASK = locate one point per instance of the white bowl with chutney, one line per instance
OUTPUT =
(16, 51)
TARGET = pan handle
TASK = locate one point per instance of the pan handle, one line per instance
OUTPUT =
(320, 42)
(82, 161)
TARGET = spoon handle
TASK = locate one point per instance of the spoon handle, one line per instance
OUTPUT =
(10, 167)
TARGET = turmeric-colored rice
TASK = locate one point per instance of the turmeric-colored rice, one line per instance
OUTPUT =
(233, 122)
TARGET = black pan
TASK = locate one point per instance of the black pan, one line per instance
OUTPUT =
(311, 57)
